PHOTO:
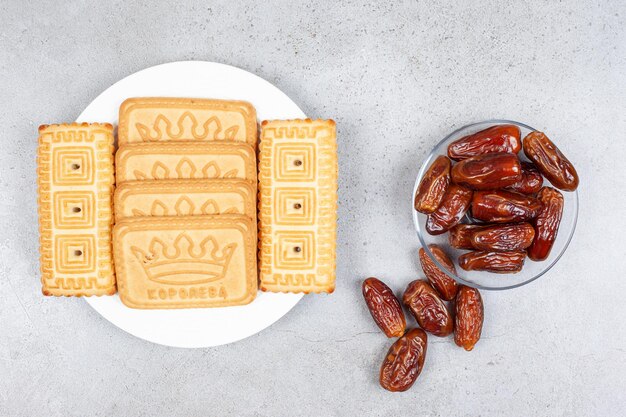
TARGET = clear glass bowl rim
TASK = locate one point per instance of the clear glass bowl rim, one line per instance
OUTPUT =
(425, 245)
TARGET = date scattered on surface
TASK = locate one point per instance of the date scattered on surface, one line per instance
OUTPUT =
(499, 138)
(488, 172)
(550, 161)
(531, 181)
(469, 316)
(404, 361)
(546, 223)
(441, 282)
(433, 186)
(384, 307)
(503, 238)
(455, 204)
(499, 262)
(428, 309)
(500, 206)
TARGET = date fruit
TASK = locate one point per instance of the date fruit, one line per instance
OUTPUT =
(460, 236)
(501, 138)
(487, 172)
(546, 223)
(428, 309)
(384, 307)
(504, 206)
(550, 161)
(504, 238)
(433, 186)
(531, 181)
(404, 361)
(499, 262)
(445, 286)
(455, 203)
(468, 320)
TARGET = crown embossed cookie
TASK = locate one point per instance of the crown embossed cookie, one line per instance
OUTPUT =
(185, 160)
(298, 205)
(153, 119)
(185, 198)
(186, 262)
(75, 184)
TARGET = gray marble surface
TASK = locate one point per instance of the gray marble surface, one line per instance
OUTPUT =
(396, 78)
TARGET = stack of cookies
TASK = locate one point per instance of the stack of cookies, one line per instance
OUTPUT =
(182, 232)
(185, 230)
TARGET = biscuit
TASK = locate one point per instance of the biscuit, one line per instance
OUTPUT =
(185, 198)
(186, 262)
(298, 205)
(184, 160)
(75, 186)
(150, 119)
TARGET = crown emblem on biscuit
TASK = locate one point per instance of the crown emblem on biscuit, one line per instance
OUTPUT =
(185, 169)
(184, 262)
(186, 127)
(184, 206)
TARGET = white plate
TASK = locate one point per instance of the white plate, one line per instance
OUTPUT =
(195, 327)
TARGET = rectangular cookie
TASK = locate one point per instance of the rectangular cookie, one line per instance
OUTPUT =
(186, 262)
(75, 186)
(153, 119)
(184, 160)
(185, 198)
(298, 205)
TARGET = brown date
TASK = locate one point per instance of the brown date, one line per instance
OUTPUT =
(531, 181)
(433, 186)
(501, 138)
(504, 206)
(460, 236)
(404, 361)
(445, 286)
(487, 172)
(499, 262)
(504, 238)
(384, 307)
(550, 161)
(455, 203)
(546, 223)
(468, 320)
(428, 309)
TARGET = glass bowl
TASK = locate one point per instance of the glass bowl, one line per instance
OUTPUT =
(488, 280)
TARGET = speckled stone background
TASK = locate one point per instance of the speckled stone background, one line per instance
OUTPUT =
(396, 78)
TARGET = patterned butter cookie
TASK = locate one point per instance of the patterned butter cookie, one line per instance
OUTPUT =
(298, 205)
(150, 119)
(184, 160)
(186, 262)
(185, 198)
(75, 184)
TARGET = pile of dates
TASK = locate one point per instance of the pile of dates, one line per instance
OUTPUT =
(511, 213)
(492, 204)
(427, 302)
